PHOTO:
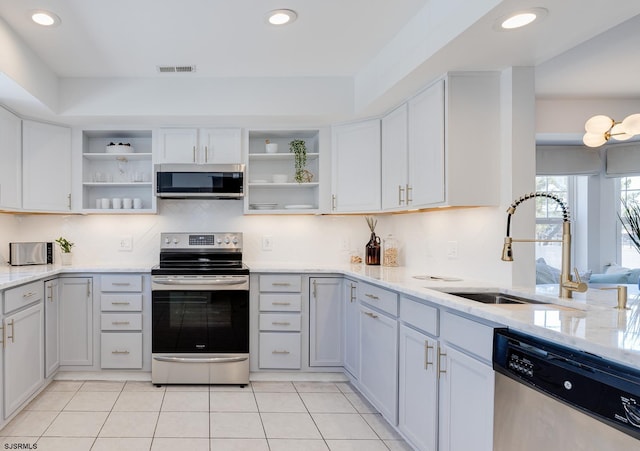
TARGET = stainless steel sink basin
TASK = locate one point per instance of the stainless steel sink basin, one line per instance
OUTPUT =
(496, 298)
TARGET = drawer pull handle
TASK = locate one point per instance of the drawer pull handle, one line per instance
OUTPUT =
(281, 284)
(29, 294)
(118, 323)
(121, 284)
(281, 323)
(13, 331)
(281, 303)
(440, 365)
(3, 338)
(426, 355)
(120, 303)
(353, 297)
(280, 352)
(120, 352)
(372, 296)
(371, 315)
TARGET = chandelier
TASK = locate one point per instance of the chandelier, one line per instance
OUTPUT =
(599, 129)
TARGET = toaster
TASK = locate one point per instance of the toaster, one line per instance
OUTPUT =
(40, 253)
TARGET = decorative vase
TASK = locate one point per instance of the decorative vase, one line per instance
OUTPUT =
(372, 250)
(66, 258)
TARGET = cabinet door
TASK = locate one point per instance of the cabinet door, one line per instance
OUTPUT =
(351, 328)
(418, 389)
(325, 321)
(23, 356)
(76, 321)
(51, 327)
(394, 159)
(46, 164)
(426, 147)
(11, 156)
(221, 145)
(178, 145)
(466, 402)
(356, 167)
(379, 361)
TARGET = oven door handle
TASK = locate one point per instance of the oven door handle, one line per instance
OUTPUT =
(199, 359)
(218, 282)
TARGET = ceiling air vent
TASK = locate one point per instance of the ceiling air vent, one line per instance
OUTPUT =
(176, 69)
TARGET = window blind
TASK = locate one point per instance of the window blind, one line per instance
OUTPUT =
(568, 160)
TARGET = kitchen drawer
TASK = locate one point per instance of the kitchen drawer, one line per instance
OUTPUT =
(468, 335)
(18, 297)
(121, 302)
(122, 282)
(280, 302)
(121, 321)
(417, 314)
(279, 350)
(385, 300)
(284, 283)
(289, 322)
(121, 350)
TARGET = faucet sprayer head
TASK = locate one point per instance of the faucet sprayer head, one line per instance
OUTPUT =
(507, 251)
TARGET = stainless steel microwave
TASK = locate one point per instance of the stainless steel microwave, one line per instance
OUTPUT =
(40, 253)
(199, 181)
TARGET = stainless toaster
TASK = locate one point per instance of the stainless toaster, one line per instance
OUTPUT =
(40, 253)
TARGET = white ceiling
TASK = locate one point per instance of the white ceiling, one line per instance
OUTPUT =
(584, 48)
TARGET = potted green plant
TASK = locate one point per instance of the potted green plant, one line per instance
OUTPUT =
(299, 148)
(65, 249)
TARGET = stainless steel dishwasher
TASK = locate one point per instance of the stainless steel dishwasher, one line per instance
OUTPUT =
(549, 397)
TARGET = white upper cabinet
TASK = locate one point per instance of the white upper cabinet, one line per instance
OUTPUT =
(11, 167)
(440, 148)
(395, 159)
(426, 162)
(200, 146)
(46, 164)
(356, 167)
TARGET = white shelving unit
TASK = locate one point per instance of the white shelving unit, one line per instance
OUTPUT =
(124, 175)
(266, 197)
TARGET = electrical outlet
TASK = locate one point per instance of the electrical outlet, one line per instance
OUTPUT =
(344, 244)
(267, 242)
(125, 243)
(452, 249)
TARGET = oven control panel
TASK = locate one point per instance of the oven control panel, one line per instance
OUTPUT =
(206, 240)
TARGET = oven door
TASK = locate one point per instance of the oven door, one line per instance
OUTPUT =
(199, 314)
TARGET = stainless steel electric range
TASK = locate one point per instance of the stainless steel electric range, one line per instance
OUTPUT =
(200, 310)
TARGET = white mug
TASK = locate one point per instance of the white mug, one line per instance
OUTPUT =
(116, 203)
(137, 203)
(104, 202)
(127, 203)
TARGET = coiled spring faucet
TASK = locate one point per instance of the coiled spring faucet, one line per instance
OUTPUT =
(567, 285)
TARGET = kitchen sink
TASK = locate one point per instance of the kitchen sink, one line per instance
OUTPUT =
(496, 298)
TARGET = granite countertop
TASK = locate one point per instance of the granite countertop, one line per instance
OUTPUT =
(589, 322)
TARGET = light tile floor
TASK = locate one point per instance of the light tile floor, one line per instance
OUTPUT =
(136, 415)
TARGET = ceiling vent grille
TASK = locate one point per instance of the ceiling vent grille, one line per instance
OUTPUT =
(176, 69)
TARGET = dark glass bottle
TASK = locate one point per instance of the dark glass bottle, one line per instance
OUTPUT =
(372, 250)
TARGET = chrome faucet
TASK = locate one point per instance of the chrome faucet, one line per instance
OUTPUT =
(567, 285)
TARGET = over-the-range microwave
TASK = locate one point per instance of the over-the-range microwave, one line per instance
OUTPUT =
(199, 181)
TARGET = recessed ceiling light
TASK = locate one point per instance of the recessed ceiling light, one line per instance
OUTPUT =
(44, 18)
(281, 16)
(519, 19)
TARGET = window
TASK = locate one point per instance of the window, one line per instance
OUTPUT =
(549, 216)
(629, 192)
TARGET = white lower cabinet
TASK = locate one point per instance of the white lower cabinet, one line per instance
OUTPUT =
(466, 402)
(121, 321)
(418, 389)
(76, 321)
(23, 356)
(379, 361)
(325, 321)
(280, 350)
(51, 327)
(351, 328)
